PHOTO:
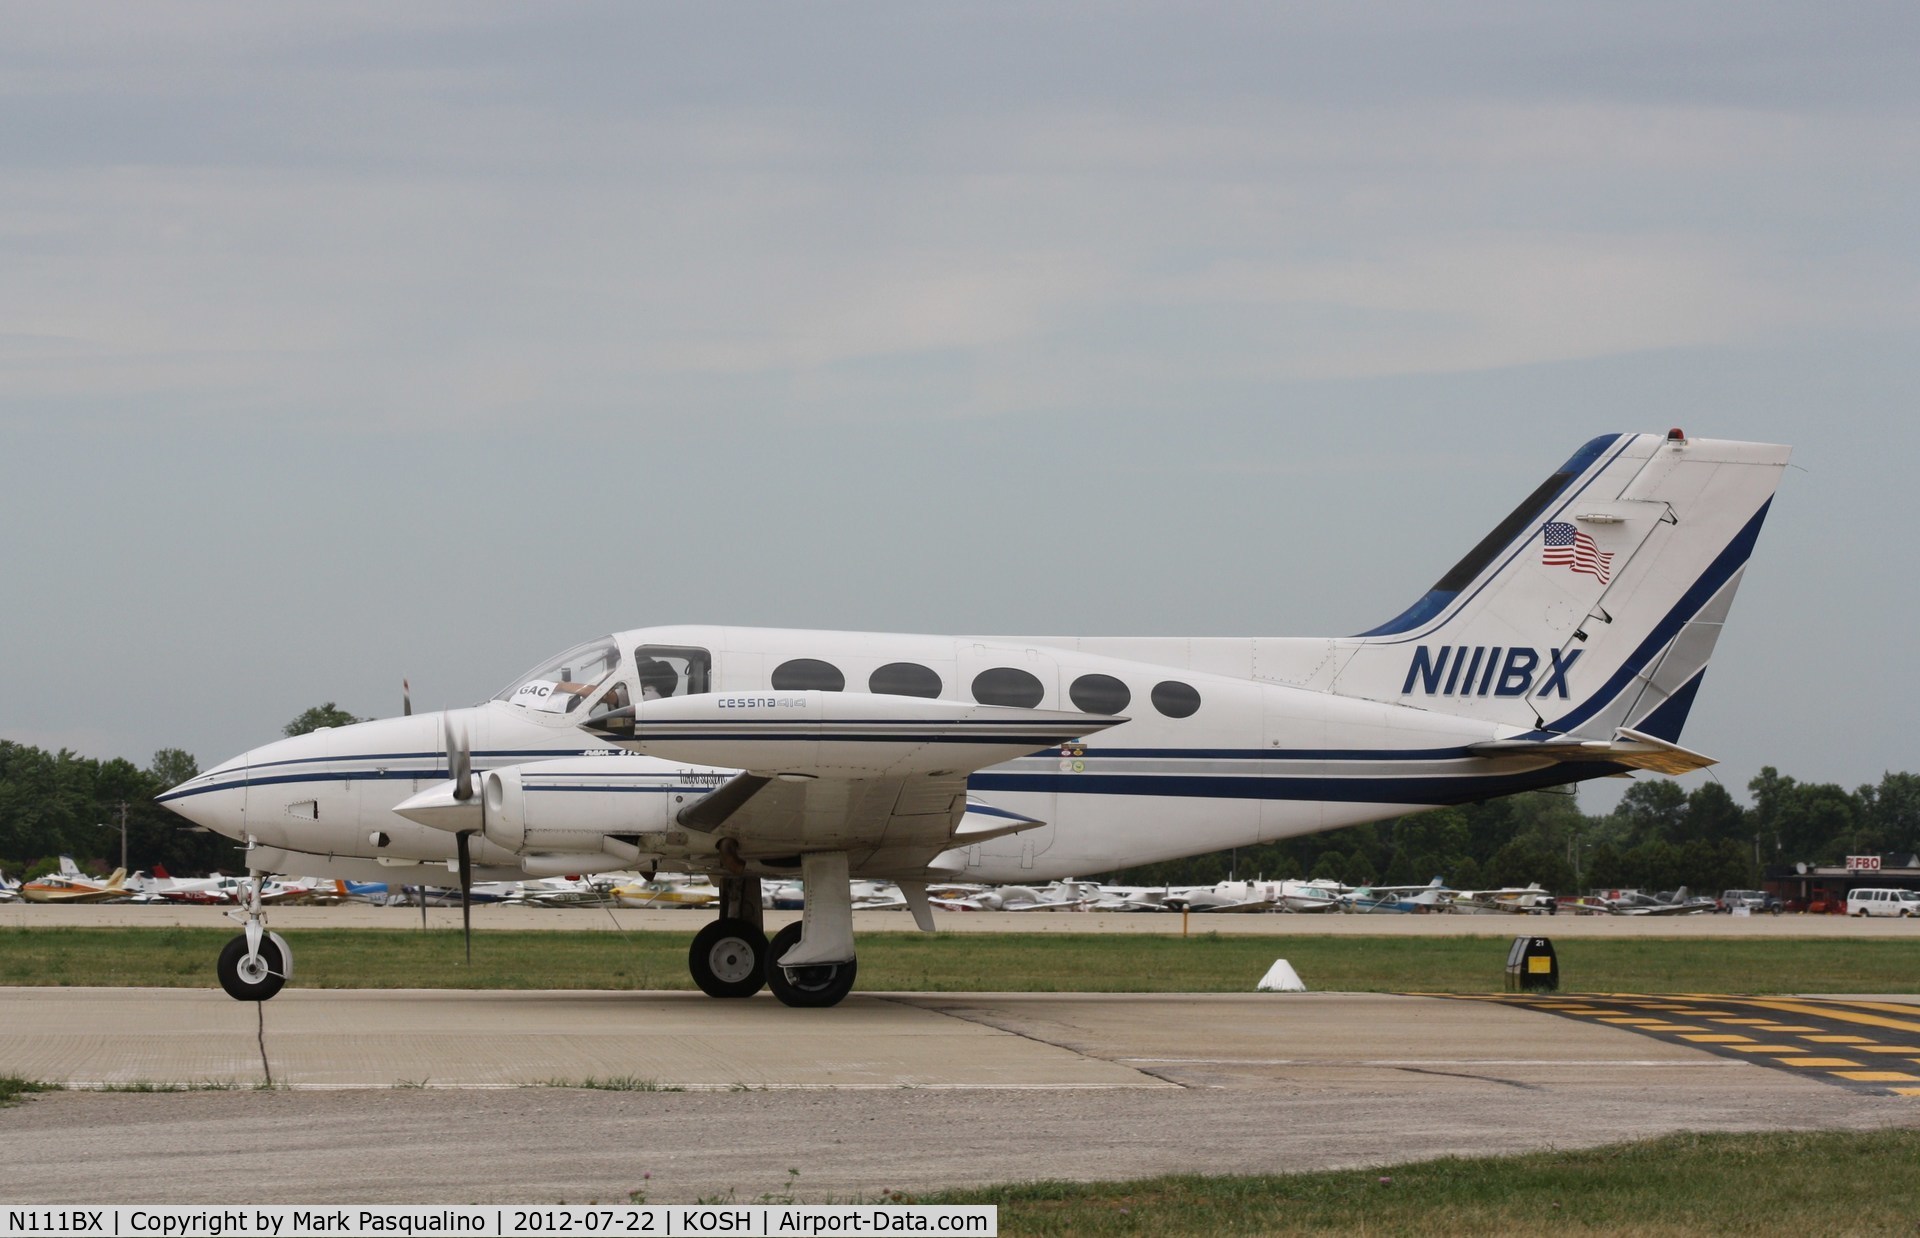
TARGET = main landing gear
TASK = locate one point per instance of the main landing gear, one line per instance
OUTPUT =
(256, 964)
(806, 964)
(729, 956)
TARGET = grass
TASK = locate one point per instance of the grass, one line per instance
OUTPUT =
(13, 1087)
(380, 958)
(150, 1085)
(1775, 1183)
(615, 1083)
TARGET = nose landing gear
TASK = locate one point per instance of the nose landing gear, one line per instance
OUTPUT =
(256, 964)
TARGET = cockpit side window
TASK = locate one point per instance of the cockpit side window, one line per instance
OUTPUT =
(662, 671)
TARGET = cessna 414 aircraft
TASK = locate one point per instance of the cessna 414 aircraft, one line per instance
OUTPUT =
(1568, 644)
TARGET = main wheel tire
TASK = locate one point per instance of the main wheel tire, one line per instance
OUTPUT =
(255, 979)
(818, 986)
(728, 958)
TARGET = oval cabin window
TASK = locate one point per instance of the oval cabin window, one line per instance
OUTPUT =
(1176, 699)
(808, 675)
(1007, 685)
(1099, 694)
(905, 679)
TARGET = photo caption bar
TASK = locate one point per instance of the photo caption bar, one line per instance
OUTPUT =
(500, 1221)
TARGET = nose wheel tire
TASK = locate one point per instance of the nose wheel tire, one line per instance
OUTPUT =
(822, 985)
(729, 959)
(255, 978)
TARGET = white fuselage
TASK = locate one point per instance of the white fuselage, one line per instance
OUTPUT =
(1209, 757)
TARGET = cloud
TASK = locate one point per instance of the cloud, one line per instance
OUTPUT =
(360, 219)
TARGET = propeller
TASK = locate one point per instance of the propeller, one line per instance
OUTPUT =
(460, 769)
(406, 699)
(466, 888)
(459, 759)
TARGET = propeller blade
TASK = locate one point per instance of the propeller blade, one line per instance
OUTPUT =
(406, 699)
(459, 761)
(466, 888)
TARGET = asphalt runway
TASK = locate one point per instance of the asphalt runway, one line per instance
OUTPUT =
(427, 1096)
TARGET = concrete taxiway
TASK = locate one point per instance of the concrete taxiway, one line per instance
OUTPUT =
(427, 1096)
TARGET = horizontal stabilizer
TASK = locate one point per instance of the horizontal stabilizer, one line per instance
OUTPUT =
(1634, 749)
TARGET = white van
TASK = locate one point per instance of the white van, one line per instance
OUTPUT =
(1883, 903)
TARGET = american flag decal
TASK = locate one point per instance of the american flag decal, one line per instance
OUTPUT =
(1566, 546)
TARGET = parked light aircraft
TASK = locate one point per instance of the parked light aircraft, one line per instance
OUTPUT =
(1433, 896)
(1529, 899)
(164, 887)
(664, 891)
(1667, 903)
(70, 885)
(1568, 644)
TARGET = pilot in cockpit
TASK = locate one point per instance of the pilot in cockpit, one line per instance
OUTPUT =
(657, 679)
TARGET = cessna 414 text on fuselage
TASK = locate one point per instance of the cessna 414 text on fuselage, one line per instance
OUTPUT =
(1567, 645)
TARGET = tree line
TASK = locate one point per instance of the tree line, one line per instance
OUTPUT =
(61, 803)
(1658, 837)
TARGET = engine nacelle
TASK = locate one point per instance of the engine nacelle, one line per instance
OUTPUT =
(581, 814)
(573, 806)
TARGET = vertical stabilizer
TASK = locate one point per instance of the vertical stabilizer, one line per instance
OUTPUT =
(1595, 605)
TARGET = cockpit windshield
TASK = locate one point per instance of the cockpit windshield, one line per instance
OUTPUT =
(561, 685)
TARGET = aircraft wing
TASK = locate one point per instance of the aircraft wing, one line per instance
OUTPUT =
(841, 735)
(1634, 749)
(842, 770)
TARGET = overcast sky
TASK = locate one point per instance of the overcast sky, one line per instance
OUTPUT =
(345, 342)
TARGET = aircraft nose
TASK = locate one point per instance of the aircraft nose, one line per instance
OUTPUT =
(215, 800)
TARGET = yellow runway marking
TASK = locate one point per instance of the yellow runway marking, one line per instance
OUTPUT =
(1755, 1030)
(1839, 1012)
(1909, 1009)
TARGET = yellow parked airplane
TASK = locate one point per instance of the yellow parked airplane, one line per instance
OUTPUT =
(71, 886)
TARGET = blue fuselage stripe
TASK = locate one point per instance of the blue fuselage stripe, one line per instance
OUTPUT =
(1437, 786)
